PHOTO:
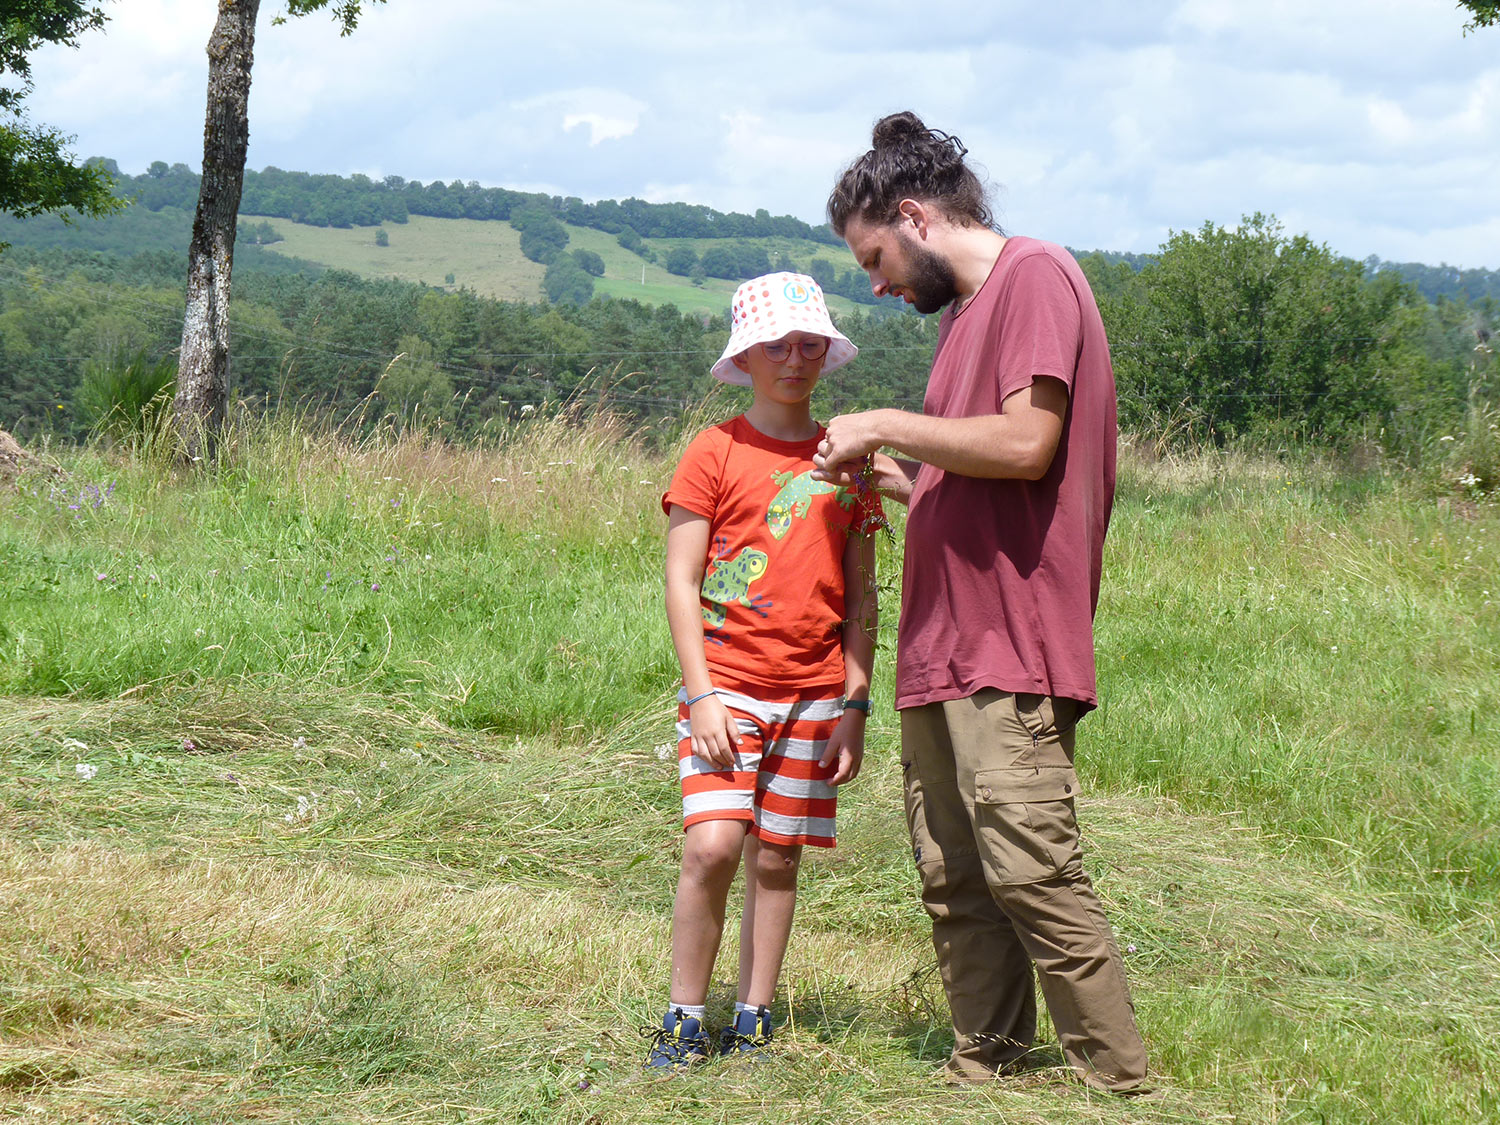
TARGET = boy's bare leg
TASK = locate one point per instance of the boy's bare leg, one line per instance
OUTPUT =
(710, 857)
(766, 924)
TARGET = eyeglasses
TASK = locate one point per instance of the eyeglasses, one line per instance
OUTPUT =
(811, 348)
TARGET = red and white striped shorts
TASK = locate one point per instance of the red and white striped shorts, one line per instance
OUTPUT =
(776, 782)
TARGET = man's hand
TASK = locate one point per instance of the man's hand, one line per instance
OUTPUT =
(846, 447)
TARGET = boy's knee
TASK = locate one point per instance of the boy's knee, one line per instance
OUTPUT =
(712, 860)
(776, 864)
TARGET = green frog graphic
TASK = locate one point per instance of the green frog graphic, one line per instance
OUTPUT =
(726, 583)
(795, 499)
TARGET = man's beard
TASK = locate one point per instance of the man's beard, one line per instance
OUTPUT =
(930, 279)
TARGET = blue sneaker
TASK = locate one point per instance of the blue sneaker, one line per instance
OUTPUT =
(750, 1031)
(678, 1043)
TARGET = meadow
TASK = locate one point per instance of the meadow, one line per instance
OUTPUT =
(337, 786)
(485, 256)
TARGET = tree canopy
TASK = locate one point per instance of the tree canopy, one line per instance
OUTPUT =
(37, 172)
(1486, 13)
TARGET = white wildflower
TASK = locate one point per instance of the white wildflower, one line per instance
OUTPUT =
(85, 771)
(74, 744)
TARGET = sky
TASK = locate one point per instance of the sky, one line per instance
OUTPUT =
(1373, 126)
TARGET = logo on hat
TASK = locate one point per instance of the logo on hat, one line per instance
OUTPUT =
(797, 293)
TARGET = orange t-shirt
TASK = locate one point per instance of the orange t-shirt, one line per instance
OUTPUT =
(773, 581)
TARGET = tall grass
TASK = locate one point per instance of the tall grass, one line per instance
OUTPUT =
(336, 787)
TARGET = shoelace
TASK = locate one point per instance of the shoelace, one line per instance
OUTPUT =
(671, 1041)
(738, 1040)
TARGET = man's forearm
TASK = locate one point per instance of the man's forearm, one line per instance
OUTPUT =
(992, 446)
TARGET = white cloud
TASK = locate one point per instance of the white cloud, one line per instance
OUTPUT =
(1373, 125)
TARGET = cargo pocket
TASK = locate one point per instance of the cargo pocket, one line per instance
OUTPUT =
(1026, 825)
(1050, 720)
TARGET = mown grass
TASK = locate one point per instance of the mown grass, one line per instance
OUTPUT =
(350, 854)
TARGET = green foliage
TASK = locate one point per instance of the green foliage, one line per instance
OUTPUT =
(1249, 333)
(127, 401)
(542, 236)
(38, 174)
(681, 260)
(414, 388)
(630, 240)
(1483, 13)
(382, 237)
(567, 283)
(737, 261)
(589, 262)
(1353, 360)
(345, 12)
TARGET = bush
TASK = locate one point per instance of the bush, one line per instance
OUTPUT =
(565, 283)
(542, 236)
(682, 261)
(589, 262)
(128, 402)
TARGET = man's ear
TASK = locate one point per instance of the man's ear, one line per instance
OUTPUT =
(915, 212)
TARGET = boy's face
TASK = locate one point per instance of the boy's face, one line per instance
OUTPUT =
(787, 381)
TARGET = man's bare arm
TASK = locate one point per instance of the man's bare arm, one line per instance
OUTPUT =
(1019, 442)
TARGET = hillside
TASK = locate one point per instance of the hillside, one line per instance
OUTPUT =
(485, 256)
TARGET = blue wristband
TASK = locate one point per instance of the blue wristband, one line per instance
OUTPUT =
(696, 698)
(857, 705)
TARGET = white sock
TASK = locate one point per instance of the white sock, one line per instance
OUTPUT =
(741, 1006)
(689, 1011)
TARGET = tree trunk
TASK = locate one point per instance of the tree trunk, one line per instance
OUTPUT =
(203, 363)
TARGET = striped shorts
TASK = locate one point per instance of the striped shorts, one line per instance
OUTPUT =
(776, 782)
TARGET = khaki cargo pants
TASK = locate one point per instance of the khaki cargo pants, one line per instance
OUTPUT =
(989, 800)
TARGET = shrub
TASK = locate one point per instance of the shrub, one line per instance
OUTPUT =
(130, 401)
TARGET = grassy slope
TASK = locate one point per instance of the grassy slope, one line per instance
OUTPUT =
(486, 257)
(354, 854)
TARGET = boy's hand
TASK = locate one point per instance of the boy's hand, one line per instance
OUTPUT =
(847, 746)
(714, 732)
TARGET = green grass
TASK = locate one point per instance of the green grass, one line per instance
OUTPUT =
(486, 257)
(355, 855)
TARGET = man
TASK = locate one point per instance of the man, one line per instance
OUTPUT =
(1010, 492)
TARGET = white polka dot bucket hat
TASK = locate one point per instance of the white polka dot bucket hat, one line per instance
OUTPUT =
(769, 307)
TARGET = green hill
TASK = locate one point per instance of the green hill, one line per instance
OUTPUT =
(485, 256)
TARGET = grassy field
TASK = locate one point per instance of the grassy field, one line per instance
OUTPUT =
(337, 788)
(482, 255)
(486, 257)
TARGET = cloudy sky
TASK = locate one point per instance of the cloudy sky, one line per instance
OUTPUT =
(1371, 125)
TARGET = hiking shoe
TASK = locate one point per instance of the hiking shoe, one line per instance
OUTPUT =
(678, 1043)
(750, 1031)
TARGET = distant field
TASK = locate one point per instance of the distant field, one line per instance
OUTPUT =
(486, 257)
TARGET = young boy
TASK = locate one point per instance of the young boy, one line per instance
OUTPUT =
(770, 592)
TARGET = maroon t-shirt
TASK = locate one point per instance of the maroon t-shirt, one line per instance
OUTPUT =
(1001, 577)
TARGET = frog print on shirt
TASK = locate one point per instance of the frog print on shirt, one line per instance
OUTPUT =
(795, 499)
(727, 583)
